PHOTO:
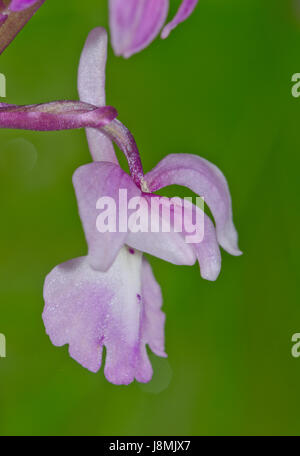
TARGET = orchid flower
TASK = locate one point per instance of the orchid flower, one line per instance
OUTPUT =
(135, 24)
(14, 15)
(110, 298)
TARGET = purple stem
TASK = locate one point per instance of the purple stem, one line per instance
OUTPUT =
(118, 133)
(54, 116)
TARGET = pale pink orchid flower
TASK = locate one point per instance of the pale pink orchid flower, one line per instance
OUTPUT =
(110, 298)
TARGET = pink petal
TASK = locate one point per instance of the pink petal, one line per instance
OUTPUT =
(208, 252)
(88, 309)
(173, 246)
(135, 23)
(205, 179)
(185, 10)
(58, 115)
(169, 246)
(19, 5)
(101, 179)
(91, 89)
(92, 181)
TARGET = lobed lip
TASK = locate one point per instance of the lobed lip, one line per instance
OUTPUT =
(119, 310)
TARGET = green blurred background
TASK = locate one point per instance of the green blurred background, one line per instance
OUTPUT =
(220, 87)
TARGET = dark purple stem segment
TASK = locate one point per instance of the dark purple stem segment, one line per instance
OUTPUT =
(118, 133)
(57, 115)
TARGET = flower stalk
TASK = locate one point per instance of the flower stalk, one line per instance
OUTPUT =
(118, 133)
